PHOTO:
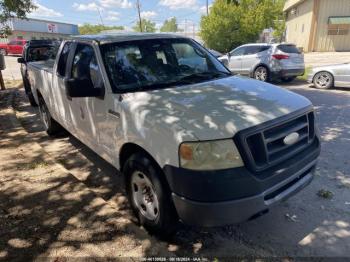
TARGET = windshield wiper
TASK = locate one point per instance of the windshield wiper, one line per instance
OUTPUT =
(205, 76)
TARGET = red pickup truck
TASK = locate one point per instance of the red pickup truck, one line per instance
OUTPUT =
(14, 47)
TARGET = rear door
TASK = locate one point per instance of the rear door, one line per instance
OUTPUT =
(253, 55)
(235, 60)
(295, 59)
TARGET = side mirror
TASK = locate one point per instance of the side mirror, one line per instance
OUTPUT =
(82, 88)
(20, 60)
(228, 54)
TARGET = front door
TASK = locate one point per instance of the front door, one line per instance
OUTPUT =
(95, 120)
(235, 60)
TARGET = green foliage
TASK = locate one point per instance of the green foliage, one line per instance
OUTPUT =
(169, 25)
(231, 23)
(13, 8)
(147, 26)
(88, 29)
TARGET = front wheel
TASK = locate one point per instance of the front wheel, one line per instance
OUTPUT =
(261, 73)
(50, 124)
(149, 196)
(323, 80)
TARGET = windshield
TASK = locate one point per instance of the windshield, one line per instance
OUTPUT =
(159, 63)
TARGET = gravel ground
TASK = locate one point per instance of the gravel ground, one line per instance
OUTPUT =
(314, 223)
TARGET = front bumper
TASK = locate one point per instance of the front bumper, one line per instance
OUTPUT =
(217, 198)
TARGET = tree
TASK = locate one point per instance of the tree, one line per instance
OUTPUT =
(169, 25)
(13, 8)
(147, 26)
(88, 29)
(231, 23)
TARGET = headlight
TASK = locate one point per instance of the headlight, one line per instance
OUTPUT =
(210, 155)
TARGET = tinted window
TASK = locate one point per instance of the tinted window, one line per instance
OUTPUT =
(251, 50)
(12, 43)
(85, 65)
(291, 49)
(41, 53)
(61, 67)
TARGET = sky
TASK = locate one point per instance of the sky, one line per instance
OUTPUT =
(121, 12)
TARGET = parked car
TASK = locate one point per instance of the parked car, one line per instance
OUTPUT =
(14, 47)
(266, 61)
(326, 77)
(193, 142)
(35, 50)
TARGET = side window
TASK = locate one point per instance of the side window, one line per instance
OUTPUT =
(85, 65)
(238, 51)
(252, 50)
(61, 66)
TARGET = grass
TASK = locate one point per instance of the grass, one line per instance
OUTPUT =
(33, 165)
(307, 72)
(325, 194)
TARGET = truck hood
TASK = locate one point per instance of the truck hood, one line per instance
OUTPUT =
(215, 109)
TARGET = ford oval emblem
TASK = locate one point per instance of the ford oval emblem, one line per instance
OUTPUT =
(291, 139)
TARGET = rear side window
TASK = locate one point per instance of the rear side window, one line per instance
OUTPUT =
(290, 49)
(61, 66)
(251, 50)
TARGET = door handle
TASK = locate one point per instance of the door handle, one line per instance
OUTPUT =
(113, 113)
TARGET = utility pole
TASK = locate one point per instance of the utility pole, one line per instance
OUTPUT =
(207, 7)
(99, 12)
(139, 12)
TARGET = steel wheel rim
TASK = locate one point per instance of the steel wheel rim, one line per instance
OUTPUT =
(261, 74)
(44, 116)
(144, 196)
(323, 79)
(2, 51)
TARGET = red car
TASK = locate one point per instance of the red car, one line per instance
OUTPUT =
(14, 47)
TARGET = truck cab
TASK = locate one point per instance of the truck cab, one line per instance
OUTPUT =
(194, 143)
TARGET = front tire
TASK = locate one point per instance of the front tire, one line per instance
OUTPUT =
(261, 73)
(323, 80)
(149, 196)
(50, 124)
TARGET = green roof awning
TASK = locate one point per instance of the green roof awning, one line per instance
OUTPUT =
(339, 20)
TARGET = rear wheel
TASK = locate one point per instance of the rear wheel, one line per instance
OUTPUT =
(323, 80)
(288, 79)
(3, 51)
(50, 124)
(261, 73)
(149, 196)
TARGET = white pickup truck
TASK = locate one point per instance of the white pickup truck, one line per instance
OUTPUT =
(195, 143)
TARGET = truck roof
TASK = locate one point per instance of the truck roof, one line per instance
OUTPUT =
(122, 37)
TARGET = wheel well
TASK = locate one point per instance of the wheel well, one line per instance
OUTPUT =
(128, 150)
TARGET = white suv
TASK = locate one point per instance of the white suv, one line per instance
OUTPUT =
(266, 62)
(195, 143)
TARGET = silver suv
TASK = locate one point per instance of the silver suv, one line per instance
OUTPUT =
(266, 61)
